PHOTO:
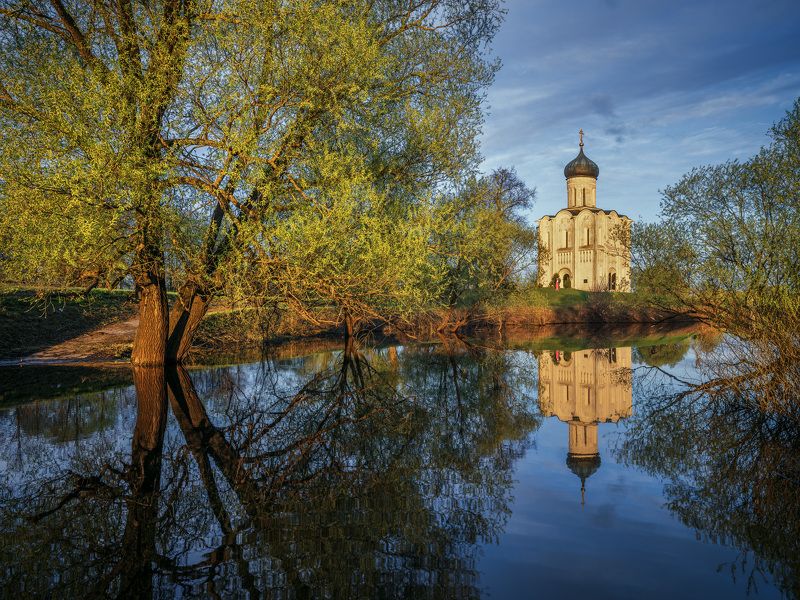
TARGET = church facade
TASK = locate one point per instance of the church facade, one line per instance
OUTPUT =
(581, 246)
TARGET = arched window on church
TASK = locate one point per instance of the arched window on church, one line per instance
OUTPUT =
(584, 196)
(586, 236)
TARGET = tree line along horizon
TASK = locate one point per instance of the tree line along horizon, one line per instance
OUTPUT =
(310, 156)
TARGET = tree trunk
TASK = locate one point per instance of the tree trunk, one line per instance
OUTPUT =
(150, 342)
(349, 327)
(184, 319)
(193, 299)
(148, 270)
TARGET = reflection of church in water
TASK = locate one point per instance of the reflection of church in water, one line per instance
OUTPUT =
(585, 388)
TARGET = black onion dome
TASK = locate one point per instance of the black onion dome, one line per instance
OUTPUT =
(583, 466)
(581, 166)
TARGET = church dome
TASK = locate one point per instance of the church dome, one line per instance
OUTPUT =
(581, 165)
(583, 466)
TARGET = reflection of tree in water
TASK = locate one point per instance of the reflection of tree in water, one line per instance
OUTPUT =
(367, 477)
(70, 419)
(80, 516)
(729, 446)
(660, 355)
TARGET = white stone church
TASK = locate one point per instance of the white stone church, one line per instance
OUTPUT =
(582, 243)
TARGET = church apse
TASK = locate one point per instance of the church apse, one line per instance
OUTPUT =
(584, 389)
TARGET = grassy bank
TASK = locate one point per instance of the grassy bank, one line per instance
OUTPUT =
(30, 322)
(534, 307)
(546, 306)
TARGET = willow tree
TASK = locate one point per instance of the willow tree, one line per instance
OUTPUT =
(174, 136)
(358, 252)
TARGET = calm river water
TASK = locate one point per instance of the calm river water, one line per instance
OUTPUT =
(560, 468)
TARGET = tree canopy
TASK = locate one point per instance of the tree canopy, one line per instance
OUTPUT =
(293, 151)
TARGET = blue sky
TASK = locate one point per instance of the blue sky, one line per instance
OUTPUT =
(658, 88)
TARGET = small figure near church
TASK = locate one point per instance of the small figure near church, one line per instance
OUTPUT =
(583, 245)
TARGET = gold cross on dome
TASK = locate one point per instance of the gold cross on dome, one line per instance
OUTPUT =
(581, 134)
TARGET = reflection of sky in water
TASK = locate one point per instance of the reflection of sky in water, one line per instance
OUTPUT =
(622, 543)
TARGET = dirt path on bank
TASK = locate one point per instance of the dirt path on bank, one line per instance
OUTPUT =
(108, 343)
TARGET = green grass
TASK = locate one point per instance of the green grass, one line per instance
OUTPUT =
(536, 297)
(572, 342)
(229, 327)
(30, 321)
(548, 298)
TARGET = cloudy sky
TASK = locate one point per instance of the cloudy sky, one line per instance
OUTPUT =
(658, 87)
